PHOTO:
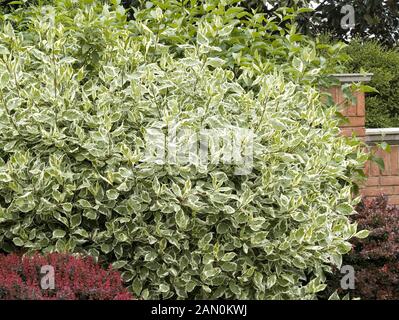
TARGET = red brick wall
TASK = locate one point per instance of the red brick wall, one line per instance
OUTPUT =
(379, 182)
(386, 181)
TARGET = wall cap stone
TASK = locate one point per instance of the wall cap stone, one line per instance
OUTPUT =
(389, 135)
(353, 77)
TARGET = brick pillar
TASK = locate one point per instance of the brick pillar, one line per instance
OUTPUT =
(379, 182)
(356, 113)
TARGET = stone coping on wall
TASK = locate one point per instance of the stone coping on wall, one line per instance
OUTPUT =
(388, 135)
(353, 77)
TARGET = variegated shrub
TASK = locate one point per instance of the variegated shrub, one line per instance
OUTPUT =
(78, 93)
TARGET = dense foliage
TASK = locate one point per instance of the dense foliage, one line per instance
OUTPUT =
(375, 259)
(377, 19)
(382, 107)
(9, 6)
(373, 19)
(243, 40)
(75, 278)
(79, 87)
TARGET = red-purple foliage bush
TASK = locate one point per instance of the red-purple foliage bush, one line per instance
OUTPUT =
(76, 278)
(376, 258)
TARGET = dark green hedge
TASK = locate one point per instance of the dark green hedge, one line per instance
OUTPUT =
(382, 109)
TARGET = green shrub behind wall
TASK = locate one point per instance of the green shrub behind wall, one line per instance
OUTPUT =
(382, 107)
(77, 93)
